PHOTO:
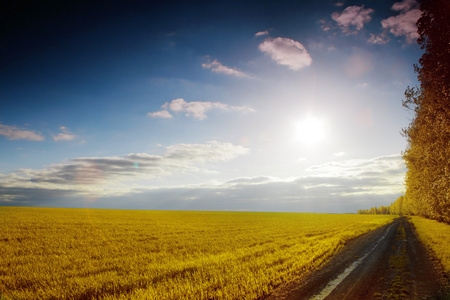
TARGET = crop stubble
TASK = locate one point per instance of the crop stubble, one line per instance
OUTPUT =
(54, 253)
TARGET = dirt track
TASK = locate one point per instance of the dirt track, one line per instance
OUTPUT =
(388, 263)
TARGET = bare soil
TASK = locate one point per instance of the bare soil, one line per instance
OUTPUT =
(387, 263)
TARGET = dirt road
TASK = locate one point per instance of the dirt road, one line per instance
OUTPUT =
(388, 263)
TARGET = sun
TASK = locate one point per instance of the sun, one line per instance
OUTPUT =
(310, 131)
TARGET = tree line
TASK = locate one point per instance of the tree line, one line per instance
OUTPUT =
(396, 208)
(427, 156)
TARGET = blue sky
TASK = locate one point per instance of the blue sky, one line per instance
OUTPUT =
(219, 105)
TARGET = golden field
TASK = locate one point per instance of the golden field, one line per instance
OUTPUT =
(435, 236)
(54, 253)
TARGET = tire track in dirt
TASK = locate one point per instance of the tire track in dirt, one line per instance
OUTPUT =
(387, 263)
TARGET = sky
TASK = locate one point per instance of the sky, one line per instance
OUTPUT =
(290, 106)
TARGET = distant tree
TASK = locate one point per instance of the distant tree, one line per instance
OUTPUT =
(398, 206)
(382, 210)
(427, 155)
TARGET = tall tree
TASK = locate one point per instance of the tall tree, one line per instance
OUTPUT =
(428, 153)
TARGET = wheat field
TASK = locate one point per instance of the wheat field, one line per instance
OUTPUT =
(55, 253)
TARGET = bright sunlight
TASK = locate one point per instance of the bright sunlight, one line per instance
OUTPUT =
(310, 131)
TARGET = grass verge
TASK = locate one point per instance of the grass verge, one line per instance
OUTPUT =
(436, 237)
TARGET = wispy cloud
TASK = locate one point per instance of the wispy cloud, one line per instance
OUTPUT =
(15, 133)
(217, 67)
(378, 167)
(195, 109)
(405, 5)
(287, 52)
(404, 24)
(325, 25)
(65, 135)
(379, 39)
(353, 18)
(163, 114)
(262, 33)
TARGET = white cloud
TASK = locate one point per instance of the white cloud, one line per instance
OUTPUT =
(356, 184)
(379, 39)
(375, 168)
(196, 109)
(352, 17)
(211, 151)
(112, 175)
(404, 24)
(217, 67)
(264, 194)
(337, 187)
(405, 5)
(65, 135)
(15, 133)
(164, 114)
(287, 52)
(262, 33)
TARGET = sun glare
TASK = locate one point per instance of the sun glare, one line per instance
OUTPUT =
(310, 131)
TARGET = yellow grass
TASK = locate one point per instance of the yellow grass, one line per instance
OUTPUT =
(48, 253)
(436, 236)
